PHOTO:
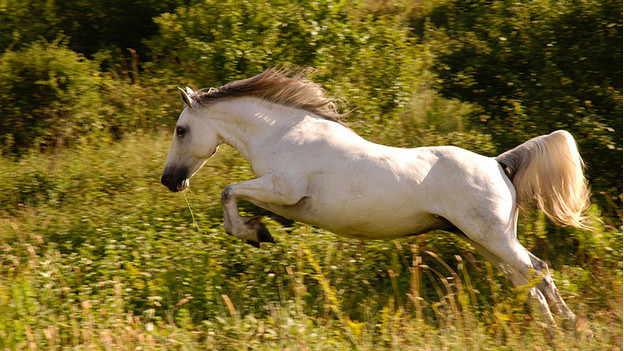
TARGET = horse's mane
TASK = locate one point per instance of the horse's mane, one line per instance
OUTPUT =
(288, 87)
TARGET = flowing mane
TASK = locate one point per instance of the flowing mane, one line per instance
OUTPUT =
(285, 87)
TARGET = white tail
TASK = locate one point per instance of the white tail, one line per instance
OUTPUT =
(548, 170)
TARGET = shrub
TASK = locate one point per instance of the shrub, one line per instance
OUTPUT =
(534, 67)
(366, 58)
(50, 96)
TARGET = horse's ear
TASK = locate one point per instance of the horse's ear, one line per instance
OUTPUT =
(185, 96)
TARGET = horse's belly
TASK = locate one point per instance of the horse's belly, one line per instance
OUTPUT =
(364, 223)
(389, 227)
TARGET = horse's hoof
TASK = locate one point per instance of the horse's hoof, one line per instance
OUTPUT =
(253, 243)
(264, 236)
(262, 233)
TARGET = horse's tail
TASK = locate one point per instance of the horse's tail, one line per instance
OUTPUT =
(548, 170)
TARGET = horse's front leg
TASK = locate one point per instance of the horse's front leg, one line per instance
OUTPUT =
(271, 189)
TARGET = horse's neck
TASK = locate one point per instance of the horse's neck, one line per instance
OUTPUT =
(246, 122)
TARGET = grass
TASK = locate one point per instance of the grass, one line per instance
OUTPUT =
(97, 254)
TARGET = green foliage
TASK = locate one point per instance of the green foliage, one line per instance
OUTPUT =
(23, 22)
(92, 25)
(368, 60)
(50, 96)
(534, 67)
(138, 102)
(96, 252)
(54, 97)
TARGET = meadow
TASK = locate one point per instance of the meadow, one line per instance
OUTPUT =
(97, 254)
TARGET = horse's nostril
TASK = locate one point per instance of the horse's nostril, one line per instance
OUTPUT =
(172, 178)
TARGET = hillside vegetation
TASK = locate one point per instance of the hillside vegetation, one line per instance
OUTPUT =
(97, 254)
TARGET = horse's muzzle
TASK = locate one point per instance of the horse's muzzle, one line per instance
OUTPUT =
(175, 181)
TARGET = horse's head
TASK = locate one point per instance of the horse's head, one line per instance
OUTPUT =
(194, 142)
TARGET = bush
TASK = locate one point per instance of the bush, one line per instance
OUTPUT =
(366, 58)
(534, 67)
(50, 96)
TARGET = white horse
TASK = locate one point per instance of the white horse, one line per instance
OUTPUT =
(312, 168)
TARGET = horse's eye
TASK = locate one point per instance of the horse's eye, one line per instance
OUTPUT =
(180, 131)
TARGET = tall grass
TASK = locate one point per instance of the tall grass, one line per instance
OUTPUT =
(96, 254)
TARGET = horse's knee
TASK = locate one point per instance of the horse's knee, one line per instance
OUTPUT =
(546, 284)
(225, 194)
(549, 289)
(538, 264)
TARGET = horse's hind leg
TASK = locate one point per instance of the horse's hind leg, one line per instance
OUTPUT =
(522, 272)
(496, 239)
(516, 255)
(548, 288)
(516, 279)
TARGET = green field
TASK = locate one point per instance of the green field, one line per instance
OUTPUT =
(96, 253)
